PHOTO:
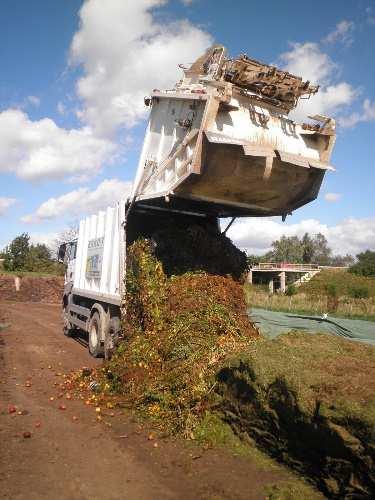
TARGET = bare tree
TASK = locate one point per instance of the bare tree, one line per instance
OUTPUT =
(70, 233)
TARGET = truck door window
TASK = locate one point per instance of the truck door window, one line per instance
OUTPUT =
(73, 251)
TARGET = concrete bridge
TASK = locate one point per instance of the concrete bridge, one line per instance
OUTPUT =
(278, 274)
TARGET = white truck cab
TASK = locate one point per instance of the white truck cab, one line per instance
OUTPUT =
(67, 254)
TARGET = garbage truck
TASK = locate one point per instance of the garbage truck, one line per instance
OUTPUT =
(220, 144)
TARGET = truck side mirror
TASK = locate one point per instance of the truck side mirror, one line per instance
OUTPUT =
(61, 252)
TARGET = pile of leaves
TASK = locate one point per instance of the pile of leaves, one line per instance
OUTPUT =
(309, 401)
(177, 331)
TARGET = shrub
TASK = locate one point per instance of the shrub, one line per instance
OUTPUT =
(291, 290)
(358, 292)
(331, 290)
(332, 297)
(365, 265)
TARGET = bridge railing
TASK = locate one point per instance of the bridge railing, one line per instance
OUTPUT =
(284, 266)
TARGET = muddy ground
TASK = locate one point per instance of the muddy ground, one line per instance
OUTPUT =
(82, 458)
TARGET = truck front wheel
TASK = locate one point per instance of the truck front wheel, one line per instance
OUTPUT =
(95, 336)
(68, 328)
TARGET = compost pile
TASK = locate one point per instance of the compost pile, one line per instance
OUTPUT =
(177, 330)
(309, 401)
(196, 248)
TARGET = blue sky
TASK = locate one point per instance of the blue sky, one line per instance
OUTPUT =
(71, 102)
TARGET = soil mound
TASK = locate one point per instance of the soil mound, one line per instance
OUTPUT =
(309, 401)
(177, 331)
(45, 289)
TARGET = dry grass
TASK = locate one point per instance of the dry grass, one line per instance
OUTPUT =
(305, 303)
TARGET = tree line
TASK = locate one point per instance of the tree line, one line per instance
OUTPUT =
(314, 249)
(21, 255)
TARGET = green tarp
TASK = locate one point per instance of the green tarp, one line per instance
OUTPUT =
(273, 323)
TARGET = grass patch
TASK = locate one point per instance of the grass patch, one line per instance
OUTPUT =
(291, 490)
(342, 280)
(213, 431)
(338, 292)
(315, 304)
(309, 401)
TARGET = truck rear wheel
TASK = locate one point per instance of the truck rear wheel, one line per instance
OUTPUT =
(95, 336)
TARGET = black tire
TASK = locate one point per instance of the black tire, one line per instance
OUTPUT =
(95, 336)
(111, 338)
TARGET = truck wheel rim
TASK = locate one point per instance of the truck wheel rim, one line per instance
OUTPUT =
(94, 335)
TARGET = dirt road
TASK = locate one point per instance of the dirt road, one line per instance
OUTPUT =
(81, 458)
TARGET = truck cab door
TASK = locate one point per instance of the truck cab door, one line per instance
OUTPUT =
(71, 255)
(67, 254)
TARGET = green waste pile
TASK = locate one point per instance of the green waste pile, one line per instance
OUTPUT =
(189, 351)
(177, 331)
(309, 401)
(198, 247)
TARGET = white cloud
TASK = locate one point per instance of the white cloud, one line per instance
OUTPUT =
(40, 149)
(5, 203)
(352, 235)
(310, 62)
(61, 108)
(34, 100)
(330, 101)
(367, 115)
(125, 53)
(343, 33)
(332, 197)
(81, 201)
(48, 239)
